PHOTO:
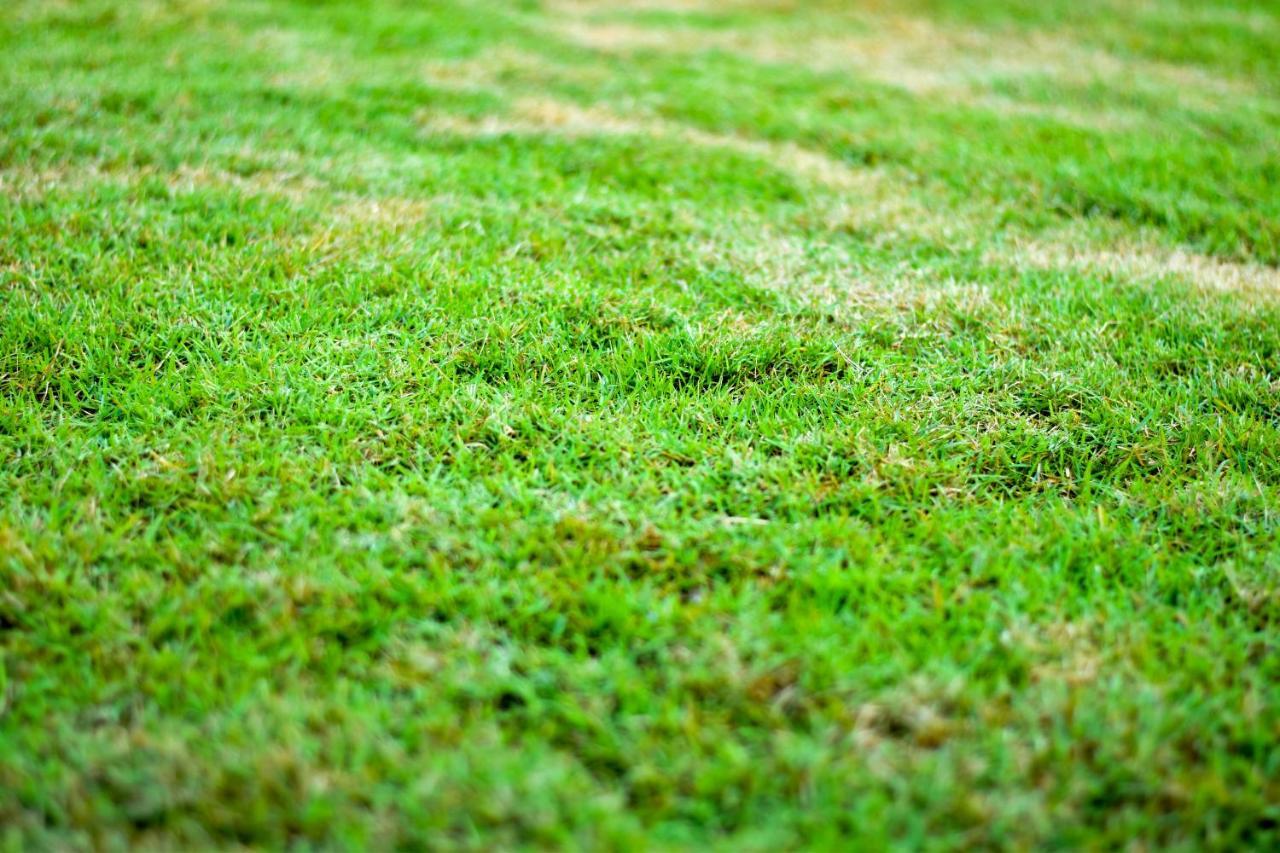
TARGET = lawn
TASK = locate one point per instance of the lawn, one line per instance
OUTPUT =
(666, 424)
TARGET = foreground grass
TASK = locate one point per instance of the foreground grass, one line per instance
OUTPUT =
(754, 424)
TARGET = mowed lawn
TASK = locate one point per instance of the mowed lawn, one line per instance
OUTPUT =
(660, 424)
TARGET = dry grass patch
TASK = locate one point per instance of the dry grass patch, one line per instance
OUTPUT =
(493, 69)
(917, 55)
(536, 116)
(34, 184)
(821, 276)
(1140, 262)
(354, 225)
(532, 117)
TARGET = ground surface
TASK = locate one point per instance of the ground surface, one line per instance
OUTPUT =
(763, 424)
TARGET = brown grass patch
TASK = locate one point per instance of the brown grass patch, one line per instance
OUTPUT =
(874, 200)
(821, 276)
(533, 116)
(911, 53)
(1145, 263)
(33, 184)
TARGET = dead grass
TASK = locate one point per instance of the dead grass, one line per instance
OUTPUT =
(912, 53)
(31, 184)
(536, 116)
(1144, 263)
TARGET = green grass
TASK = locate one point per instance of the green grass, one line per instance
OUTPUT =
(670, 425)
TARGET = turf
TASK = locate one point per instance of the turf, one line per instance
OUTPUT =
(747, 425)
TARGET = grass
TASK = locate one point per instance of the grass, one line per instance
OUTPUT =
(665, 424)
